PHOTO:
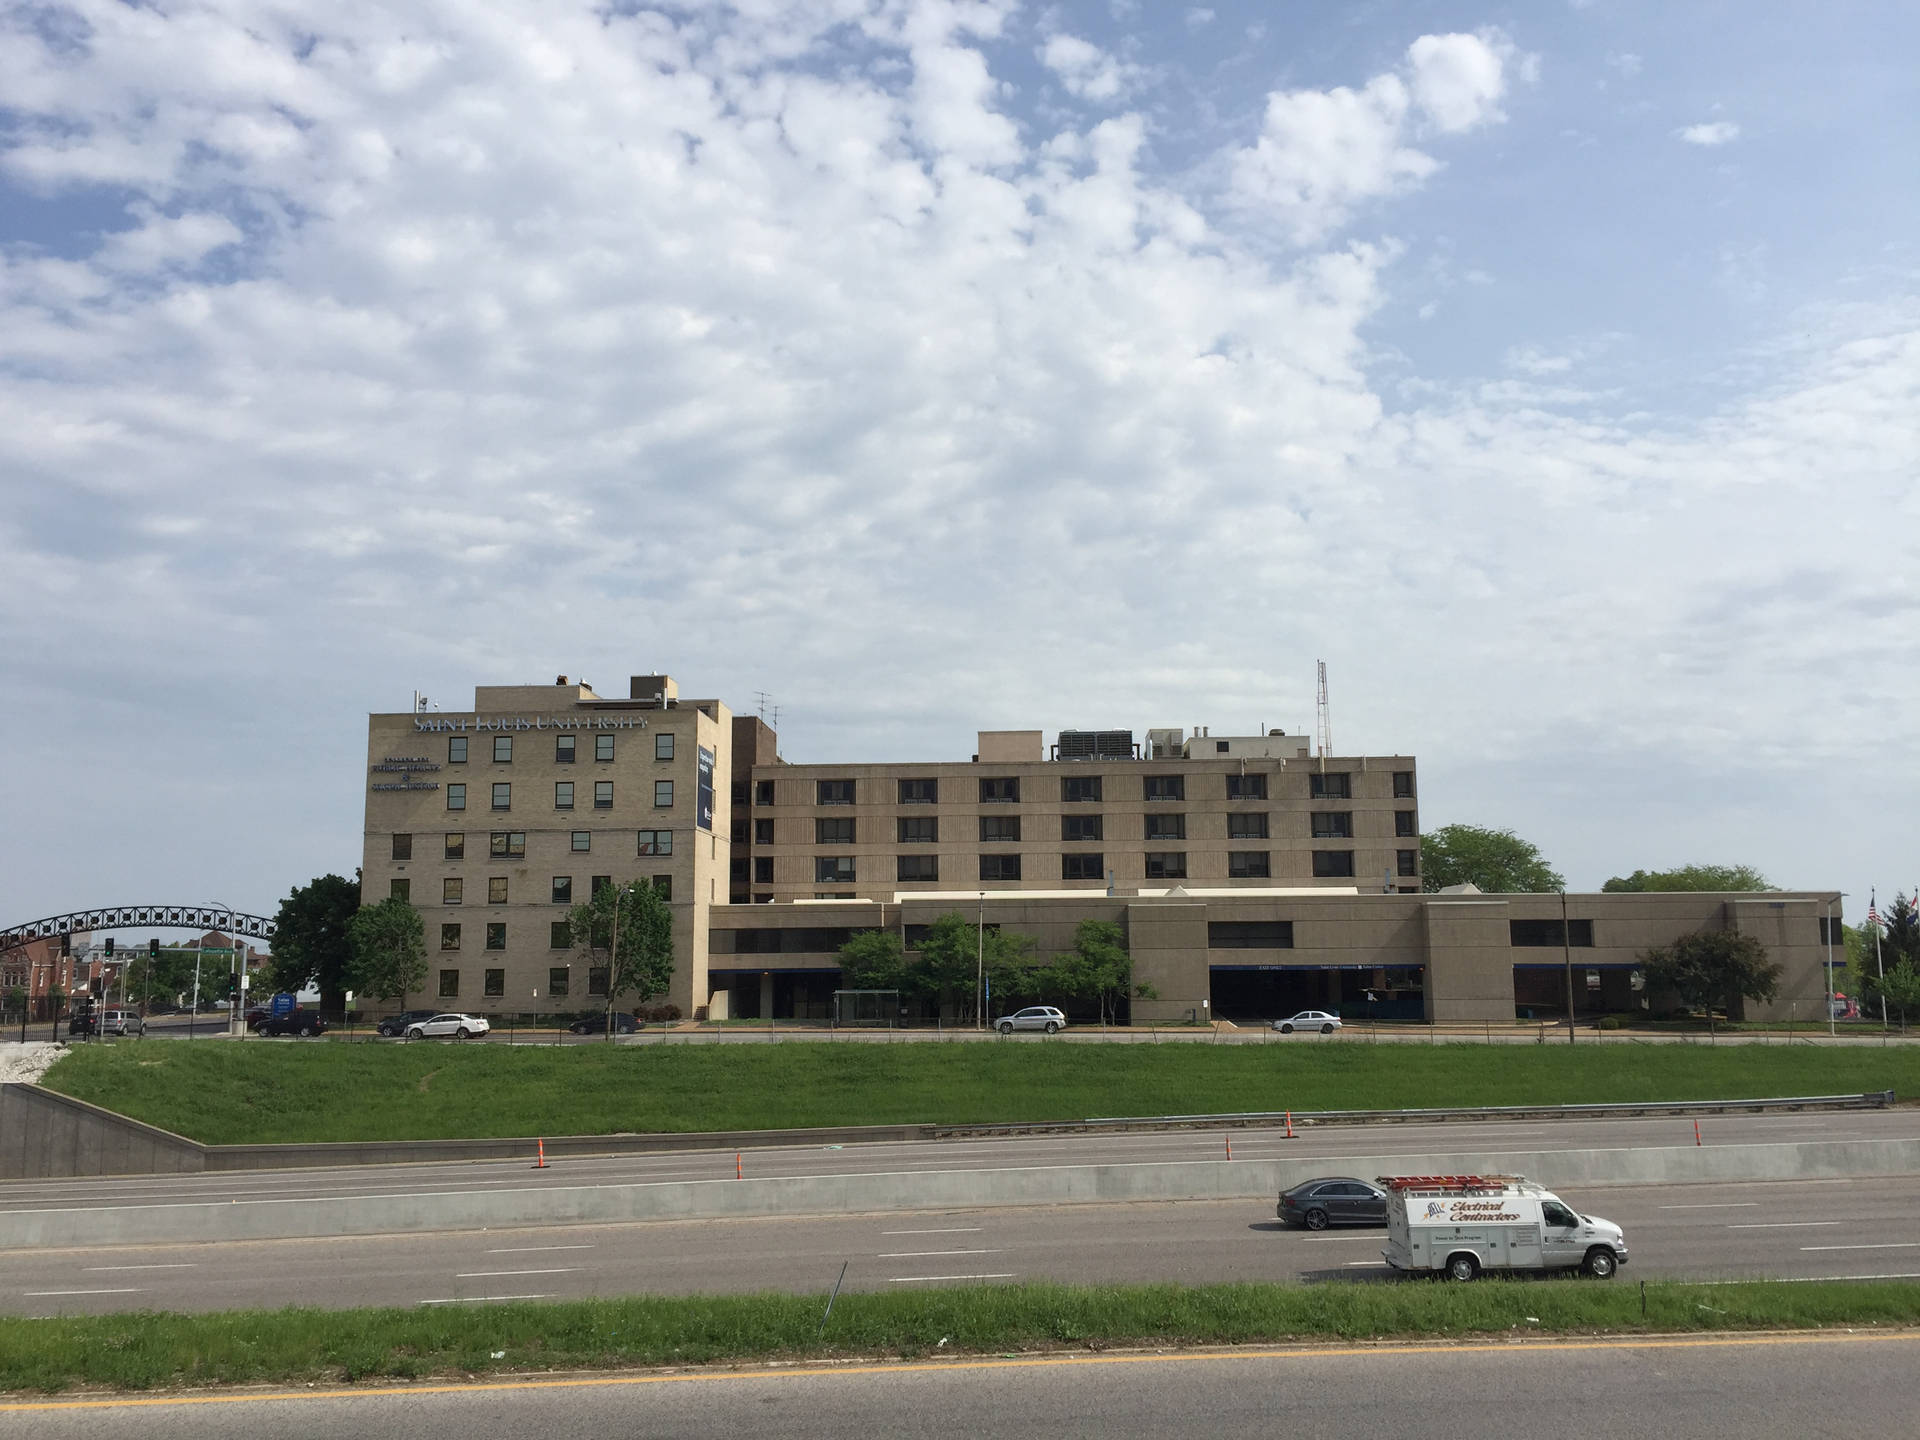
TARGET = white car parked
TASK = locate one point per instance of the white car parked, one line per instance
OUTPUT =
(460, 1027)
(1034, 1017)
(1320, 1020)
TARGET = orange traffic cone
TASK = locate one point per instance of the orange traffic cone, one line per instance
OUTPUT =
(737, 1172)
(1290, 1135)
(541, 1162)
(1229, 1147)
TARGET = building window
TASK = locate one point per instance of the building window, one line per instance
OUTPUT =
(502, 795)
(559, 937)
(1083, 867)
(1080, 788)
(1166, 787)
(1246, 787)
(838, 831)
(1248, 865)
(833, 792)
(1166, 827)
(1405, 822)
(917, 867)
(598, 883)
(456, 845)
(1336, 823)
(737, 871)
(582, 841)
(1550, 933)
(563, 749)
(1409, 861)
(450, 937)
(1166, 865)
(507, 844)
(403, 847)
(1330, 785)
(456, 797)
(449, 984)
(559, 980)
(763, 832)
(763, 792)
(563, 794)
(603, 794)
(832, 869)
(1403, 784)
(603, 747)
(1249, 934)
(656, 842)
(496, 889)
(1247, 827)
(497, 935)
(999, 867)
(496, 982)
(1330, 863)
(1080, 828)
(503, 749)
(919, 792)
(663, 745)
(452, 890)
(400, 890)
(663, 794)
(456, 750)
(1000, 829)
(1000, 792)
(919, 829)
(597, 980)
(663, 887)
(763, 869)
(563, 889)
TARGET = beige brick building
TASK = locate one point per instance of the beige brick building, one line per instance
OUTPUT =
(1251, 877)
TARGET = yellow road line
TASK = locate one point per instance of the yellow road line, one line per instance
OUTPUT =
(1503, 1347)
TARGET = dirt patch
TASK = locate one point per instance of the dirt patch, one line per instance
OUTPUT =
(426, 1081)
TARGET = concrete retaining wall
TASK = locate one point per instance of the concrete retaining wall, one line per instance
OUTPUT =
(44, 1134)
(1253, 1181)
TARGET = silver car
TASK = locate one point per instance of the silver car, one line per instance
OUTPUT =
(1034, 1017)
(460, 1027)
(1322, 1020)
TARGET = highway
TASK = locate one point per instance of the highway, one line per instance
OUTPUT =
(1862, 1228)
(1708, 1388)
(908, 1157)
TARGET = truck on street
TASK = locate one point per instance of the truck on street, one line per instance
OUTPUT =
(1461, 1225)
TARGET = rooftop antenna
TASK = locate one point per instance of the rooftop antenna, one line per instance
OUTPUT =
(1325, 720)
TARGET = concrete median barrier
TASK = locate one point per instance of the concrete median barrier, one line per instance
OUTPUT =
(556, 1203)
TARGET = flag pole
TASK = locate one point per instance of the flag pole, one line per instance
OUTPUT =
(1873, 909)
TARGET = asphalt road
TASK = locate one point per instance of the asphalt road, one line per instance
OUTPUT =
(1804, 1229)
(1141, 1147)
(1712, 1388)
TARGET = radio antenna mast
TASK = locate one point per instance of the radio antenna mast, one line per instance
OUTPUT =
(1325, 720)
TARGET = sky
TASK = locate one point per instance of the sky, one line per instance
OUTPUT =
(1549, 370)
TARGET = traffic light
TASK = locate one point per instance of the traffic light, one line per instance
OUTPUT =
(109, 947)
(66, 944)
(97, 986)
(153, 948)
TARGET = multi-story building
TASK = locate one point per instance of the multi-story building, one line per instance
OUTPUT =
(1252, 878)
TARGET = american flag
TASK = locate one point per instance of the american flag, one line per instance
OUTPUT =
(1873, 913)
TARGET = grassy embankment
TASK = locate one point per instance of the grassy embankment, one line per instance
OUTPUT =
(251, 1093)
(143, 1351)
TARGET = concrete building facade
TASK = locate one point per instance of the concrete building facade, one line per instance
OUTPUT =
(1251, 877)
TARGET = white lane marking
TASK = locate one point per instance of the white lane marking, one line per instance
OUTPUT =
(490, 1274)
(529, 1249)
(1810, 1279)
(1786, 1224)
(479, 1299)
(176, 1265)
(1322, 1239)
(1718, 1205)
(42, 1294)
(925, 1254)
(954, 1230)
(1355, 1264)
(911, 1279)
(1896, 1245)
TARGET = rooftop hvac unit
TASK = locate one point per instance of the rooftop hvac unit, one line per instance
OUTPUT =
(1095, 745)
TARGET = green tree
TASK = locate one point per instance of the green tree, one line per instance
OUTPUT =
(310, 944)
(874, 960)
(1898, 947)
(951, 958)
(1497, 861)
(389, 949)
(1902, 991)
(1098, 968)
(1712, 967)
(1691, 877)
(642, 962)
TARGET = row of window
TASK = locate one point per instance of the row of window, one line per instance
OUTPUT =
(559, 982)
(1090, 789)
(564, 748)
(453, 889)
(1078, 865)
(562, 795)
(1005, 829)
(512, 844)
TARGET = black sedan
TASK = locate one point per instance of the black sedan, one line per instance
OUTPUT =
(294, 1022)
(623, 1024)
(1333, 1200)
(397, 1024)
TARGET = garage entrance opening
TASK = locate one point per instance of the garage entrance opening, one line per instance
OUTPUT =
(1356, 993)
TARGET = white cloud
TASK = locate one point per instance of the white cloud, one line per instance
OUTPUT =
(1086, 70)
(1458, 79)
(1198, 16)
(1626, 62)
(1712, 132)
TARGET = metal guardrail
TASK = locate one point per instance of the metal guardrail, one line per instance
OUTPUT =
(1868, 1100)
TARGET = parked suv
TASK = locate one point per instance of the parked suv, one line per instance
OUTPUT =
(294, 1022)
(1034, 1017)
(122, 1022)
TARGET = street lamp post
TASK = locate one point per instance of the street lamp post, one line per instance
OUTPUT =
(1566, 950)
(1831, 1031)
(980, 968)
(613, 959)
(239, 959)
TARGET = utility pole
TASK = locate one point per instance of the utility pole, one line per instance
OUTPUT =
(1566, 950)
(613, 958)
(980, 968)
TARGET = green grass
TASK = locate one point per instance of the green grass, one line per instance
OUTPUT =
(148, 1350)
(251, 1093)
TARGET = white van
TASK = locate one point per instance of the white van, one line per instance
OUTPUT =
(1460, 1225)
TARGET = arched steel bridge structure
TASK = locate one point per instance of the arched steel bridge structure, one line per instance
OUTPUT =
(140, 917)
